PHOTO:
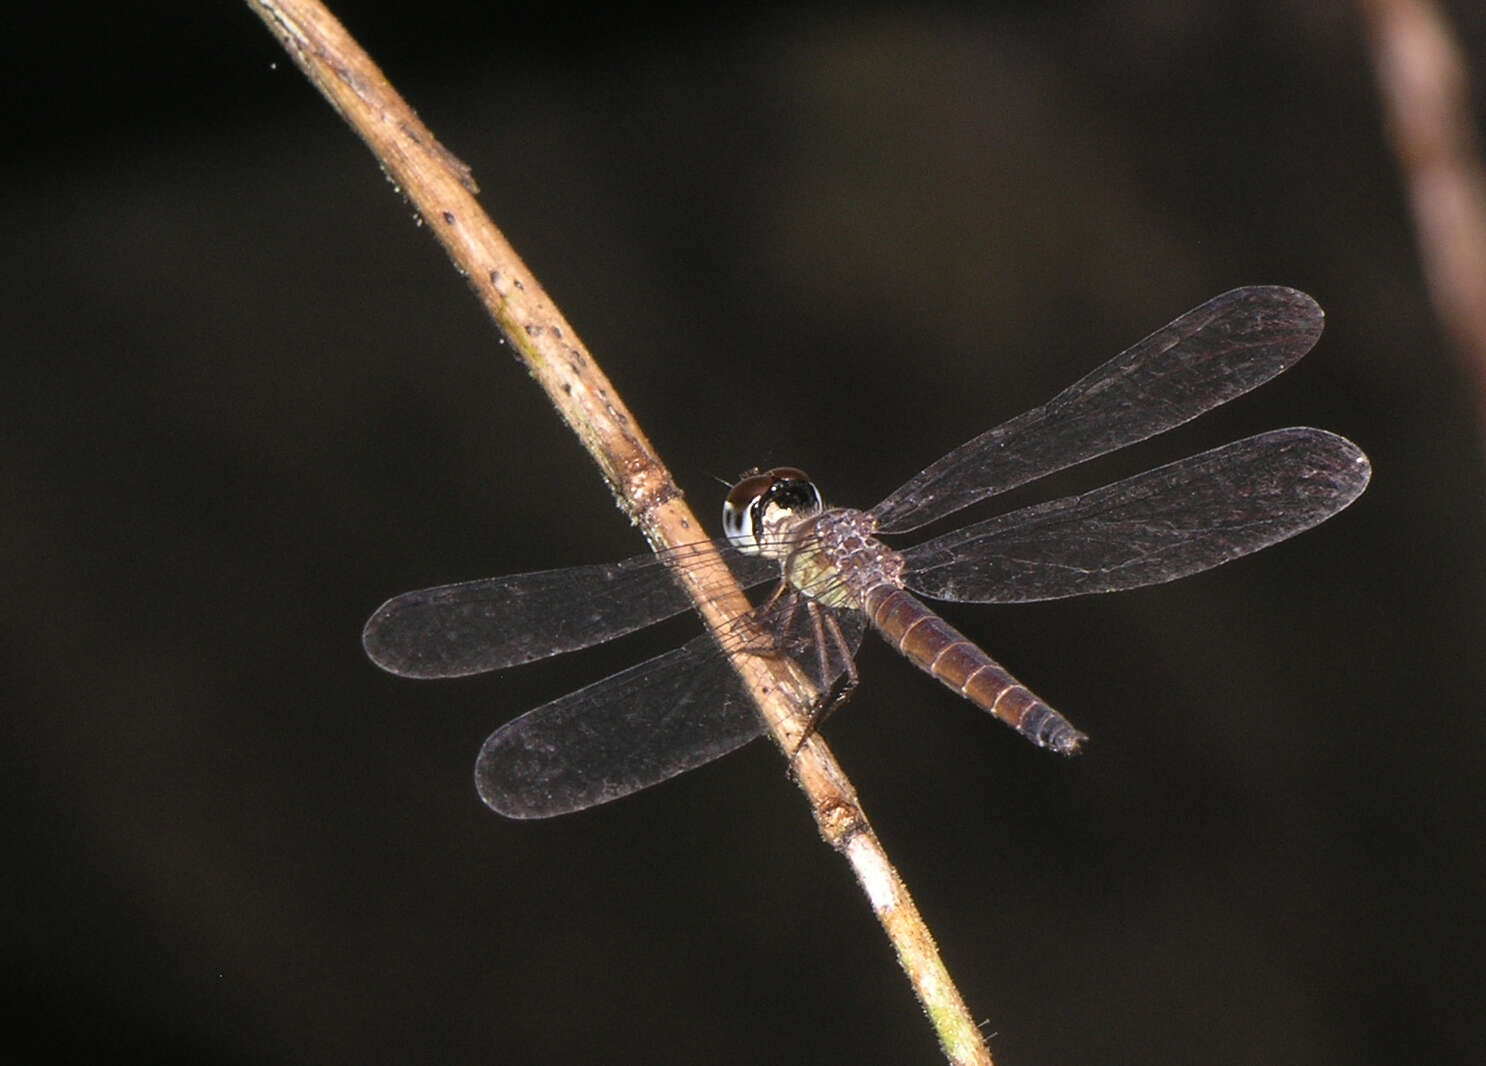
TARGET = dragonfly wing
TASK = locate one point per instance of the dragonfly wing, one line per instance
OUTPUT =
(1163, 524)
(1210, 355)
(637, 728)
(631, 730)
(475, 626)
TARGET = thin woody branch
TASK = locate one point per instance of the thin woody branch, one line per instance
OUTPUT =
(441, 189)
(1424, 84)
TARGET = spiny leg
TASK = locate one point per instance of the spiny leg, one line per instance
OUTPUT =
(833, 691)
(769, 644)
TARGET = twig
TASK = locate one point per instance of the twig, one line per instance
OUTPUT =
(441, 189)
(1424, 83)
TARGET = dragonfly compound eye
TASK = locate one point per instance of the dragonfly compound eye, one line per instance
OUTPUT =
(740, 511)
(790, 491)
(760, 502)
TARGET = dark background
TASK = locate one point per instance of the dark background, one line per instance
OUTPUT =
(246, 400)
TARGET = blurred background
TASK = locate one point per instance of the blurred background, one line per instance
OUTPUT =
(247, 400)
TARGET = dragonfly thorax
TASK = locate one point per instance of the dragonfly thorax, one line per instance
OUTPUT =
(835, 559)
(763, 507)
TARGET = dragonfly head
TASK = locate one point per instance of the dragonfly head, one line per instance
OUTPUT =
(762, 506)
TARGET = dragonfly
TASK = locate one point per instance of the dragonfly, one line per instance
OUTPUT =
(835, 578)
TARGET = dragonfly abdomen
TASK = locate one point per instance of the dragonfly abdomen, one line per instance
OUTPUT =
(938, 648)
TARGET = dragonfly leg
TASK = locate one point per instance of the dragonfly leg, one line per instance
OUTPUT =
(834, 691)
(770, 646)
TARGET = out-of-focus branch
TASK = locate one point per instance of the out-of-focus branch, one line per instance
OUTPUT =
(1424, 83)
(442, 191)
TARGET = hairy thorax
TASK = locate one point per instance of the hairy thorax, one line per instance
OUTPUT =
(837, 559)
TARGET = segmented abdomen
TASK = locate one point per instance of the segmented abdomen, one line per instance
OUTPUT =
(937, 647)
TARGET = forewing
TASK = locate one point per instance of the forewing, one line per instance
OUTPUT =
(1163, 524)
(1210, 355)
(475, 626)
